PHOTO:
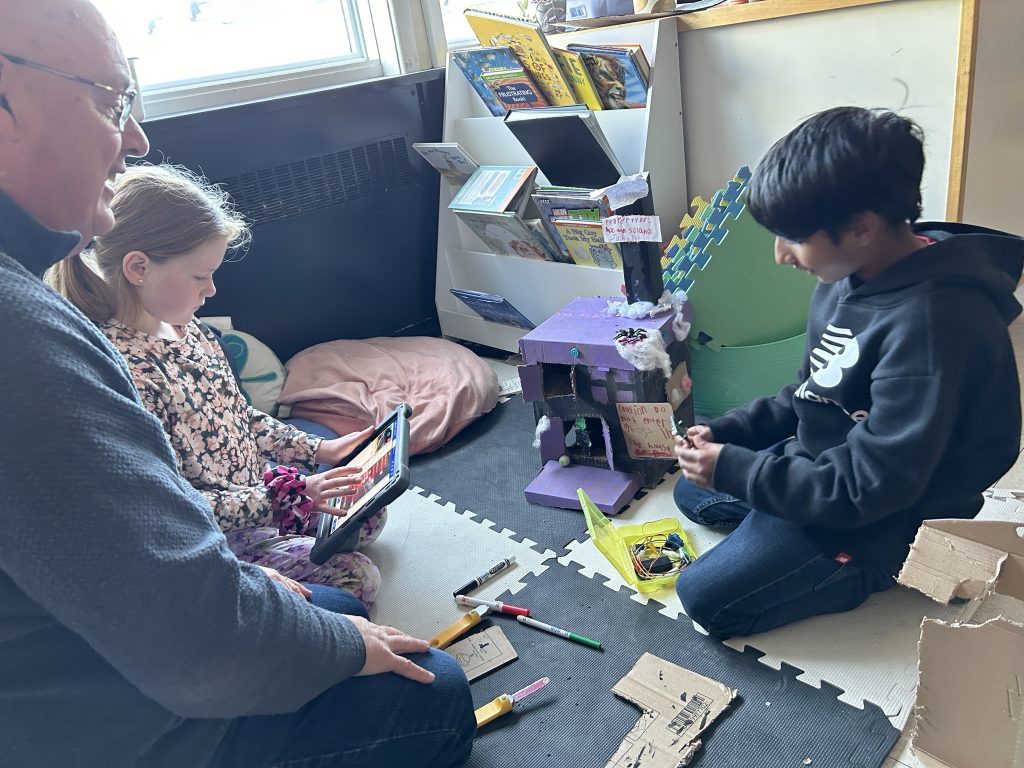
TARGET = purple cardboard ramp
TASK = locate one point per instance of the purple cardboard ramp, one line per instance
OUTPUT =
(556, 486)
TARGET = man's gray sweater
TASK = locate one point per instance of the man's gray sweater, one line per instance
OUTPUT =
(129, 633)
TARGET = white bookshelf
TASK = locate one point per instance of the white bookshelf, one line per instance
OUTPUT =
(648, 139)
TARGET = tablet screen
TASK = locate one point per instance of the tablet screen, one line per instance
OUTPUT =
(378, 462)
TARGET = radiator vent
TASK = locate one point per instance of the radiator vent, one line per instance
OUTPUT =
(282, 191)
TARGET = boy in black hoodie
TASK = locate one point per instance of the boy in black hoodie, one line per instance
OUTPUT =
(907, 406)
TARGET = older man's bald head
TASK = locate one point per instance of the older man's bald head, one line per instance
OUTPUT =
(60, 138)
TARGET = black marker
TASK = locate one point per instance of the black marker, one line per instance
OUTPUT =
(486, 576)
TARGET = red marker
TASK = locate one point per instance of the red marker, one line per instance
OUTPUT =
(494, 605)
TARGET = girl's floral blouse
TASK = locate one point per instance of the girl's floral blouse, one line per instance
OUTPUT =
(222, 443)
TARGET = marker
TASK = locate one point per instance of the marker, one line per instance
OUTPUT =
(560, 632)
(486, 576)
(494, 605)
(503, 704)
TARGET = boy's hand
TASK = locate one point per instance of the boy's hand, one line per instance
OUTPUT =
(333, 451)
(383, 646)
(702, 431)
(332, 484)
(697, 457)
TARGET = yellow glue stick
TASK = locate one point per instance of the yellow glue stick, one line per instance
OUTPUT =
(470, 619)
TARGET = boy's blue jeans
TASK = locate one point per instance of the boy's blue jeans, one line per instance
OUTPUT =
(364, 722)
(766, 573)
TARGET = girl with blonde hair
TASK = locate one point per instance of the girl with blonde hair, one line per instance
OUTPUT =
(142, 283)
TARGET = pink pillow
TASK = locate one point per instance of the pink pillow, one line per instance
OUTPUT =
(349, 384)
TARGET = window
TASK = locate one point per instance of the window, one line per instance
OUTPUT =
(198, 54)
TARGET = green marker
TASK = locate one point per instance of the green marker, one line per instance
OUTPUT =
(560, 632)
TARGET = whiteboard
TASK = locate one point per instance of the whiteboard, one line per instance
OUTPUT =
(746, 85)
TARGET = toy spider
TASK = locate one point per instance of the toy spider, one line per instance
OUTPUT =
(630, 336)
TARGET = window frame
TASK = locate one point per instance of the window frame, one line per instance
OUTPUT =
(400, 38)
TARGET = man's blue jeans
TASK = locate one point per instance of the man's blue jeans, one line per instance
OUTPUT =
(364, 722)
(766, 573)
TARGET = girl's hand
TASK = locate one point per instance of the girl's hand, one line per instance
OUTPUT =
(333, 451)
(697, 458)
(332, 484)
(289, 584)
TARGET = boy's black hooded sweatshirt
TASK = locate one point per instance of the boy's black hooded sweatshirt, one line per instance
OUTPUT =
(907, 407)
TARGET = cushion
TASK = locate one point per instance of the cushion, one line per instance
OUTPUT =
(350, 384)
(261, 375)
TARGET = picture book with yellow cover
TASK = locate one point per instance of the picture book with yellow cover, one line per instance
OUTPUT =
(579, 78)
(585, 241)
(529, 45)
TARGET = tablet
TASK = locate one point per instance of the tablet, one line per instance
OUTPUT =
(384, 462)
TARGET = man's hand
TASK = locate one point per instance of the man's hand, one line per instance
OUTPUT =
(333, 451)
(383, 644)
(332, 484)
(290, 584)
(697, 456)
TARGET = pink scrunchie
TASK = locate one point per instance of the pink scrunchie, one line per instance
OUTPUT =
(288, 498)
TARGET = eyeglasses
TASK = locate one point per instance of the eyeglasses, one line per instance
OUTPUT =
(125, 99)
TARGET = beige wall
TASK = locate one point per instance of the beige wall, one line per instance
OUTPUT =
(994, 176)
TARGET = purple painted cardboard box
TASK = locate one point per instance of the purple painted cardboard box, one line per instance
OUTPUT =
(575, 375)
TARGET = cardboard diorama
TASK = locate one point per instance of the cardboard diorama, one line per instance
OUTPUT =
(970, 694)
(678, 706)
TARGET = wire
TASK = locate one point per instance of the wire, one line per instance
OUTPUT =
(660, 555)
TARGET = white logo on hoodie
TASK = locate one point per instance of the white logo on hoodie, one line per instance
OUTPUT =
(838, 349)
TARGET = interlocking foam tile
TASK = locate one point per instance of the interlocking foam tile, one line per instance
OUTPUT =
(577, 722)
(426, 550)
(870, 653)
(725, 262)
(486, 467)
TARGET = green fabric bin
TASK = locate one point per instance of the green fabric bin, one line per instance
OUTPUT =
(732, 376)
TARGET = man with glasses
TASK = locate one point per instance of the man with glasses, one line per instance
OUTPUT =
(129, 633)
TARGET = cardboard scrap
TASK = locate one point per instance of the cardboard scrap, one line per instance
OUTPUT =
(970, 692)
(678, 706)
(480, 653)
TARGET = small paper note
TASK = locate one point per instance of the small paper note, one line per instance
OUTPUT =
(647, 428)
(482, 652)
(631, 229)
(625, 191)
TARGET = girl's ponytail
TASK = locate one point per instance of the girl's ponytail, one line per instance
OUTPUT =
(76, 281)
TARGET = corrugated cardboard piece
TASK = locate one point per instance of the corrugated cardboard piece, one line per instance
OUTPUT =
(970, 693)
(678, 706)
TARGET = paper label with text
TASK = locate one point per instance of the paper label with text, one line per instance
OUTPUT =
(631, 229)
(647, 428)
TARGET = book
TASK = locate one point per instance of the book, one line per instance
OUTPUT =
(496, 189)
(567, 204)
(585, 241)
(514, 89)
(527, 41)
(638, 54)
(569, 147)
(492, 307)
(452, 161)
(475, 62)
(616, 74)
(576, 73)
(507, 234)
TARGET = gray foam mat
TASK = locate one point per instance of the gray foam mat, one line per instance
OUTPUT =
(775, 722)
(485, 469)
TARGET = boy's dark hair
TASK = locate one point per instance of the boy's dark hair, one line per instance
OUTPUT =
(834, 165)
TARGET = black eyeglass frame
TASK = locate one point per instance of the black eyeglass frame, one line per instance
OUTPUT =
(126, 97)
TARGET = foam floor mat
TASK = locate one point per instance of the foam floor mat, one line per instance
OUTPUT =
(775, 722)
(486, 467)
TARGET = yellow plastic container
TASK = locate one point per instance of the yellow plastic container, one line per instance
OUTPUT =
(615, 543)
